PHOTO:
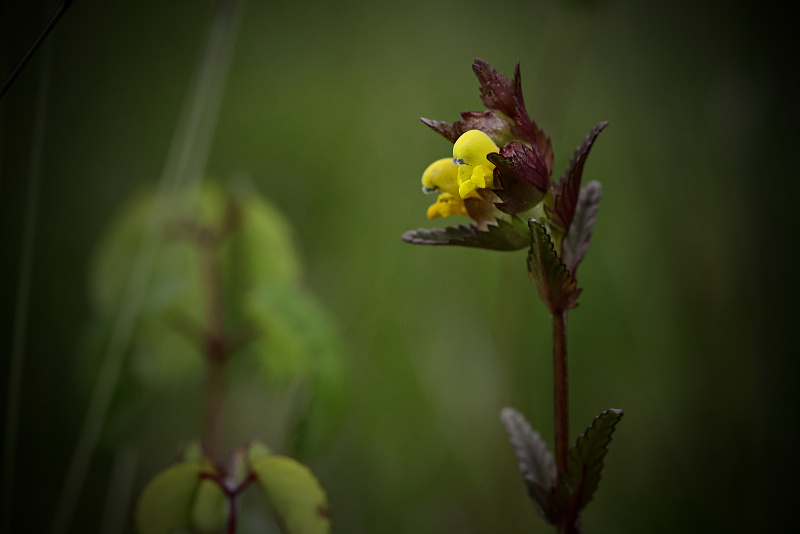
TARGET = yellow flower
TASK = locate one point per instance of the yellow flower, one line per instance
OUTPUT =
(469, 153)
(442, 176)
(447, 205)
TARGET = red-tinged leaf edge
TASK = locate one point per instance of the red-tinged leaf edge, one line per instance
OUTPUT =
(535, 462)
(581, 478)
(498, 129)
(497, 93)
(504, 236)
(567, 189)
(557, 288)
(575, 244)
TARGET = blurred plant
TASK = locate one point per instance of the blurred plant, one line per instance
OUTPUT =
(224, 306)
(501, 171)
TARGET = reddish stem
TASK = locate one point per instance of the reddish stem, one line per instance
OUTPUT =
(216, 351)
(560, 390)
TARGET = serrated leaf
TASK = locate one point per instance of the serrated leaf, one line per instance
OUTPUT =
(535, 462)
(488, 122)
(294, 494)
(522, 176)
(501, 236)
(165, 504)
(557, 287)
(257, 450)
(585, 463)
(497, 93)
(567, 190)
(576, 242)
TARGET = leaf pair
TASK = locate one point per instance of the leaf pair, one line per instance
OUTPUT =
(560, 499)
(195, 494)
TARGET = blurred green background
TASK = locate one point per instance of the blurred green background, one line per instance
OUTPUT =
(687, 316)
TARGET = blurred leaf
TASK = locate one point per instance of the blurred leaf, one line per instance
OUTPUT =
(299, 341)
(193, 451)
(585, 463)
(535, 462)
(163, 357)
(257, 450)
(166, 502)
(209, 508)
(166, 349)
(567, 190)
(502, 236)
(260, 251)
(115, 255)
(294, 494)
(557, 288)
(575, 244)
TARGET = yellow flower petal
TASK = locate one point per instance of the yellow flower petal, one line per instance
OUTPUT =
(447, 205)
(441, 176)
(472, 147)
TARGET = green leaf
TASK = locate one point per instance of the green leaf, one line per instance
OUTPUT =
(576, 241)
(502, 236)
(567, 190)
(210, 508)
(535, 462)
(557, 287)
(294, 494)
(166, 502)
(260, 250)
(257, 450)
(585, 463)
(192, 451)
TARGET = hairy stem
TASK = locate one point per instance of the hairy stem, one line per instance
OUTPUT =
(568, 522)
(560, 390)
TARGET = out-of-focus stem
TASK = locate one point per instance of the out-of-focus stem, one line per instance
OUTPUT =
(216, 353)
(186, 160)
